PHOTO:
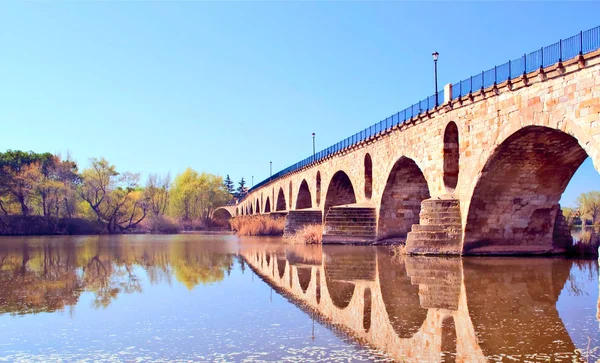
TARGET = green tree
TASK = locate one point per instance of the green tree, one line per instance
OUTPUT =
(229, 185)
(241, 190)
(157, 191)
(195, 196)
(20, 176)
(589, 205)
(115, 198)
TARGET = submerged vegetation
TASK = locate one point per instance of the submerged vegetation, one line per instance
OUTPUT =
(47, 194)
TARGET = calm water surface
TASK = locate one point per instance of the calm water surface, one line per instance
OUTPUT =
(220, 298)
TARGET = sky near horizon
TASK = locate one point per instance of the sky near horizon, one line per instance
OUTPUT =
(226, 87)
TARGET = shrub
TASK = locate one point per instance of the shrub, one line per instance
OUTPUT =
(162, 225)
(258, 225)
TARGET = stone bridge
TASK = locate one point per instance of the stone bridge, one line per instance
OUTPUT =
(480, 174)
(420, 309)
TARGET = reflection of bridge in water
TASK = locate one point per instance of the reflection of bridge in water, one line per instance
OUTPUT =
(425, 308)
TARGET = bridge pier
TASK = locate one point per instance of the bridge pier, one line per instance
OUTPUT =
(439, 230)
(351, 224)
(296, 219)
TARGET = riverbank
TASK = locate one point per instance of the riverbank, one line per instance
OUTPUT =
(39, 225)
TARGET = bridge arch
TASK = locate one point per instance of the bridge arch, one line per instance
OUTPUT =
(514, 203)
(339, 192)
(222, 214)
(267, 205)
(250, 210)
(304, 199)
(257, 206)
(237, 211)
(368, 167)
(280, 204)
(405, 189)
(318, 191)
(451, 156)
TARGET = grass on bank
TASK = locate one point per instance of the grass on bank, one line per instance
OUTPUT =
(311, 234)
(258, 225)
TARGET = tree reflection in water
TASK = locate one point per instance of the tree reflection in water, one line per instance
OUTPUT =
(49, 274)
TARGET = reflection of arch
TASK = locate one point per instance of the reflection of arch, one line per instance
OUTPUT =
(344, 266)
(280, 205)
(304, 200)
(267, 206)
(257, 206)
(318, 289)
(268, 258)
(515, 201)
(451, 156)
(318, 188)
(368, 176)
(400, 297)
(281, 266)
(340, 191)
(524, 294)
(404, 191)
(290, 195)
(303, 277)
(449, 339)
(367, 309)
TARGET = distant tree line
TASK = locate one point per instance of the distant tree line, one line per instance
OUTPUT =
(43, 184)
(587, 210)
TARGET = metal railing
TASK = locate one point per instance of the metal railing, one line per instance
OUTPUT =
(565, 49)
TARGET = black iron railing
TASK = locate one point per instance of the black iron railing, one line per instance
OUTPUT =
(565, 49)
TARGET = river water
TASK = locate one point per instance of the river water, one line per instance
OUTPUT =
(224, 298)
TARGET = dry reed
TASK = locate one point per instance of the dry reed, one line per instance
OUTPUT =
(308, 235)
(258, 225)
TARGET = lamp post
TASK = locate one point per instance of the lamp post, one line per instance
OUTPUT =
(252, 181)
(270, 170)
(435, 58)
(313, 135)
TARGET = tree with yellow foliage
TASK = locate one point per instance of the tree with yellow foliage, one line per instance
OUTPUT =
(115, 198)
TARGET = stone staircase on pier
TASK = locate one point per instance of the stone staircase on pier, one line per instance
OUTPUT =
(296, 219)
(350, 224)
(439, 230)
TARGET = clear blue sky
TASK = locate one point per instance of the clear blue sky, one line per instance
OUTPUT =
(226, 87)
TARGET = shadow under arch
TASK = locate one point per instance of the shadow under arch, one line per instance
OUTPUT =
(267, 205)
(257, 206)
(280, 204)
(318, 189)
(222, 214)
(451, 156)
(304, 199)
(368, 169)
(515, 202)
(400, 296)
(522, 294)
(339, 192)
(250, 210)
(405, 189)
(344, 266)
